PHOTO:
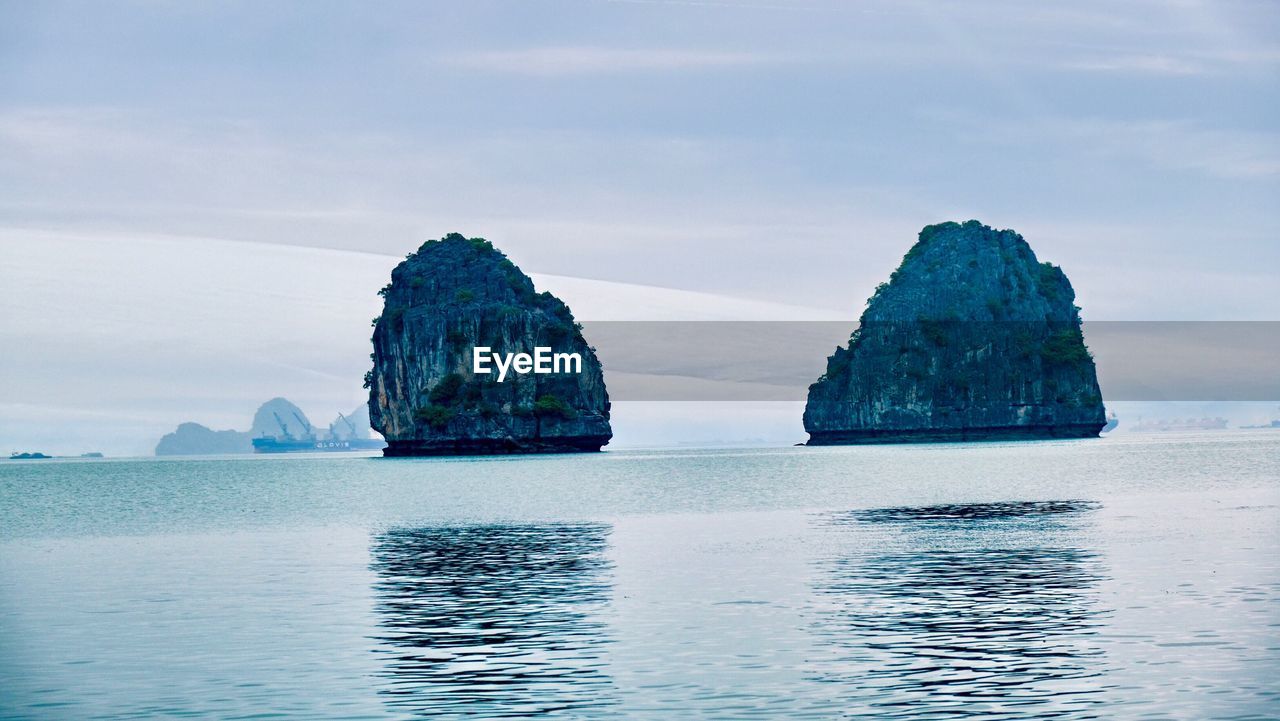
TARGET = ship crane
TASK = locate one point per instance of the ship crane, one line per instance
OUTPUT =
(310, 442)
(306, 426)
(350, 425)
(284, 428)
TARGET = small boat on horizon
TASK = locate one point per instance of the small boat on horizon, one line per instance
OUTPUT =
(1112, 422)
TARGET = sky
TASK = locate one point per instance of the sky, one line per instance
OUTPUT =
(774, 157)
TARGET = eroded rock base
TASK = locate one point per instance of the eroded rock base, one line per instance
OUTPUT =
(493, 447)
(957, 435)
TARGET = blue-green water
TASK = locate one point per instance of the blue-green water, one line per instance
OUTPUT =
(1116, 578)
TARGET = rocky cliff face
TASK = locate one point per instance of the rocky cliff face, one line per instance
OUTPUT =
(450, 296)
(972, 338)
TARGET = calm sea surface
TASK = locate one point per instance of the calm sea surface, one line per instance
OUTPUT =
(1126, 577)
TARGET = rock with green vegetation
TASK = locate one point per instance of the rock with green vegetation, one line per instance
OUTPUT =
(972, 338)
(451, 296)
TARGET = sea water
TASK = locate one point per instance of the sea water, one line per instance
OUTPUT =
(1122, 577)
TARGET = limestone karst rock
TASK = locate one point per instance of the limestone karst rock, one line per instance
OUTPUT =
(972, 338)
(455, 294)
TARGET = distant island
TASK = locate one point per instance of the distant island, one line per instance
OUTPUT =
(278, 425)
(972, 338)
(194, 439)
(454, 307)
(38, 456)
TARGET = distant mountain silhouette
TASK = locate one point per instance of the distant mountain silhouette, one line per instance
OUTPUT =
(193, 439)
(277, 418)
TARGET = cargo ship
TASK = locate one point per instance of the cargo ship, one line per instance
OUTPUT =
(270, 444)
(307, 441)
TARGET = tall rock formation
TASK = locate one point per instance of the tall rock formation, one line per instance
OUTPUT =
(972, 338)
(455, 294)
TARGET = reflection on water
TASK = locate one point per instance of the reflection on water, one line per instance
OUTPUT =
(1034, 511)
(938, 615)
(492, 620)
(241, 588)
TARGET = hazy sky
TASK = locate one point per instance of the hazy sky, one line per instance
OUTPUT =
(780, 151)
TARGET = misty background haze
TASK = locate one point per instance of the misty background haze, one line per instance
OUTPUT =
(198, 202)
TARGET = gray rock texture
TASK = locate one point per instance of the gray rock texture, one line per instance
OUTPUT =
(454, 294)
(972, 338)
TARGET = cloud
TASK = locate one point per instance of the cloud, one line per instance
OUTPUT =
(1184, 145)
(1185, 63)
(1145, 64)
(571, 61)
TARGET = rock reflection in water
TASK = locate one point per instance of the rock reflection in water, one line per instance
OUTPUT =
(491, 621)
(935, 614)
(1035, 512)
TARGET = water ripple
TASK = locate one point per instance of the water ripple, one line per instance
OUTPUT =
(1000, 511)
(492, 621)
(953, 627)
